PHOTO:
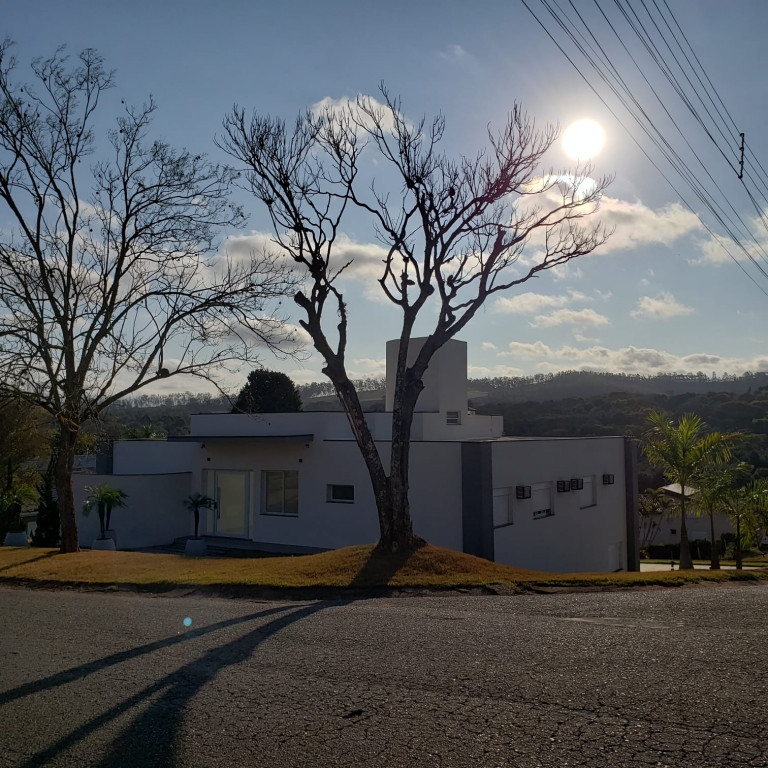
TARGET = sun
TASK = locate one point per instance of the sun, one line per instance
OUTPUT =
(583, 139)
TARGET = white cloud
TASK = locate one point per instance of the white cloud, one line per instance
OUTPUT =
(367, 367)
(531, 303)
(635, 224)
(481, 371)
(663, 307)
(570, 317)
(631, 359)
(528, 303)
(580, 337)
(345, 103)
(454, 51)
(488, 346)
(521, 349)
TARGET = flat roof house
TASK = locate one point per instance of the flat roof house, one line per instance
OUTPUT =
(297, 482)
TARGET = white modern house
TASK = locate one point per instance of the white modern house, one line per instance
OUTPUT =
(296, 482)
(697, 524)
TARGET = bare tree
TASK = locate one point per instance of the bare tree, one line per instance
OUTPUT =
(453, 233)
(108, 275)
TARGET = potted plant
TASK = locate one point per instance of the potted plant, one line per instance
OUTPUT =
(196, 502)
(104, 499)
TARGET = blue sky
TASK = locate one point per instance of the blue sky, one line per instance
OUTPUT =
(661, 296)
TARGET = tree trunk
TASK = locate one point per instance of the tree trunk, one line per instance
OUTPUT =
(714, 555)
(390, 491)
(370, 453)
(686, 563)
(64, 463)
(102, 525)
(401, 535)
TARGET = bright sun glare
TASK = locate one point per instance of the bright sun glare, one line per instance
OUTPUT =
(583, 139)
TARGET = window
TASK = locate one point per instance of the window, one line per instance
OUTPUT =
(281, 493)
(587, 492)
(453, 417)
(541, 498)
(502, 509)
(340, 494)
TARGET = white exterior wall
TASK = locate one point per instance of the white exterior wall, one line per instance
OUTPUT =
(435, 492)
(154, 513)
(152, 457)
(433, 426)
(698, 527)
(324, 425)
(332, 425)
(445, 380)
(593, 538)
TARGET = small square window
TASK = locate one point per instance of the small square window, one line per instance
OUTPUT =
(453, 417)
(673, 531)
(340, 494)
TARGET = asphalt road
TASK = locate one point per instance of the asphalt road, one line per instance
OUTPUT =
(656, 678)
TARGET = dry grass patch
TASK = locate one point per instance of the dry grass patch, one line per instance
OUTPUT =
(360, 567)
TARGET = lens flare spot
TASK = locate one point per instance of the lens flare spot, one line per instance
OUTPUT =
(187, 622)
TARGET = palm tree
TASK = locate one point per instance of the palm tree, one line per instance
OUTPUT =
(105, 499)
(195, 503)
(747, 508)
(712, 488)
(683, 451)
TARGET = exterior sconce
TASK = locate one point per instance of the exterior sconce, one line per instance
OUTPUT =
(607, 479)
(523, 492)
(577, 483)
(563, 486)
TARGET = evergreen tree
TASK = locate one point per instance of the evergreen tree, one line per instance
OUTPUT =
(268, 392)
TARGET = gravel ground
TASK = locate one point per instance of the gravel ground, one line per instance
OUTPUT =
(661, 677)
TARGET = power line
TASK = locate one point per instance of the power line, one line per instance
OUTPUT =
(658, 140)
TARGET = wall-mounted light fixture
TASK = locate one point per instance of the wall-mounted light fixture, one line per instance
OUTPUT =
(563, 486)
(523, 492)
(607, 479)
(577, 483)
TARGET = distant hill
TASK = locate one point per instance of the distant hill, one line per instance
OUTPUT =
(557, 386)
(169, 413)
(552, 386)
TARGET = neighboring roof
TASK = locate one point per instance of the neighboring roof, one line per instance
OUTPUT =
(241, 438)
(675, 489)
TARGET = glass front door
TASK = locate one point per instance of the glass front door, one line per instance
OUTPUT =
(231, 518)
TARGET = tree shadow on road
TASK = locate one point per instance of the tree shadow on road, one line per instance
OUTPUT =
(83, 670)
(21, 563)
(152, 737)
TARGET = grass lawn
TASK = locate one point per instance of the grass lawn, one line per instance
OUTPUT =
(360, 567)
